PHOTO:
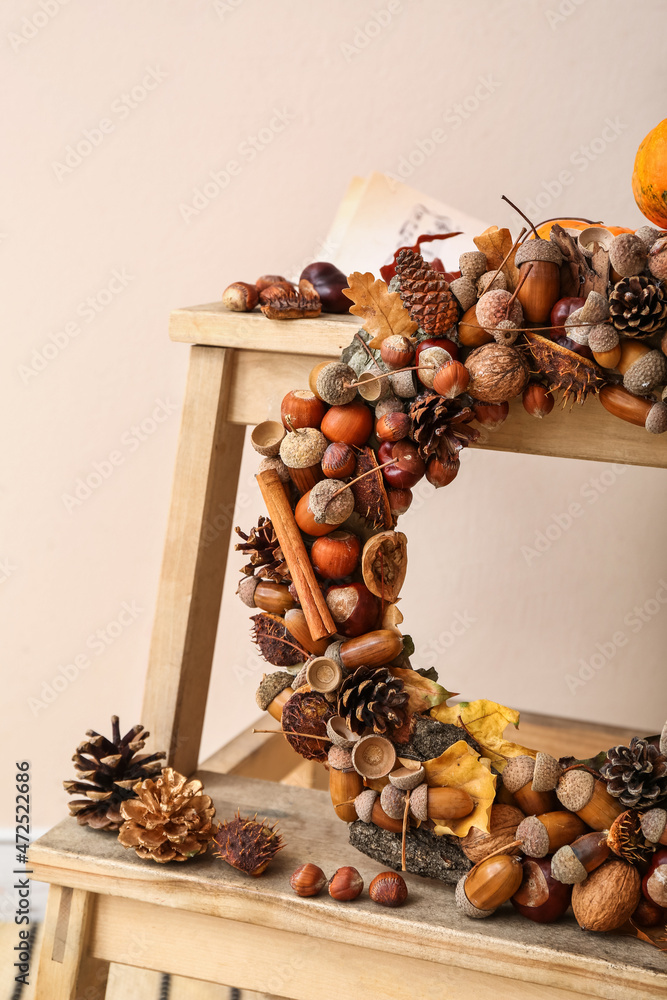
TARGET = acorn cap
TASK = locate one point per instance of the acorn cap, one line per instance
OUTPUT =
(276, 463)
(602, 338)
(518, 772)
(463, 903)
(267, 436)
(340, 759)
(246, 590)
(594, 310)
(472, 265)
(587, 238)
(327, 508)
(653, 824)
(663, 739)
(391, 404)
(323, 675)
(303, 448)
(364, 803)
(483, 282)
(465, 291)
(537, 250)
(392, 801)
(575, 789)
(332, 652)
(566, 867)
(372, 388)
(546, 774)
(270, 687)
(300, 677)
(656, 421)
(628, 255)
(534, 835)
(407, 777)
(373, 756)
(403, 384)
(649, 235)
(505, 332)
(648, 371)
(338, 732)
(333, 383)
(419, 802)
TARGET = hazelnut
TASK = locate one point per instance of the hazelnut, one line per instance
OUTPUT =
(397, 351)
(388, 889)
(451, 379)
(240, 297)
(345, 884)
(539, 402)
(627, 255)
(393, 426)
(308, 880)
(338, 461)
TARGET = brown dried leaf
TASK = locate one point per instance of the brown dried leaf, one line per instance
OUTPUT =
(370, 496)
(495, 243)
(384, 563)
(382, 311)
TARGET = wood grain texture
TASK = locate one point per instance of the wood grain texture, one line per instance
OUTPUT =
(428, 928)
(277, 356)
(195, 555)
(67, 967)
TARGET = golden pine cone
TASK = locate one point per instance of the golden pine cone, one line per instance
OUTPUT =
(170, 820)
(246, 844)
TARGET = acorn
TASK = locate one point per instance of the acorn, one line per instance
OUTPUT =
(374, 649)
(388, 889)
(403, 384)
(305, 518)
(380, 818)
(517, 779)
(408, 776)
(324, 675)
(608, 897)
(643, 411)
(364, 803)
(344, 784)
(373, 388)
(472, 264)
(657, 258)
(266, 438)
(540, 897)
(338, 461)
(301, 408)
(546, 773)
(465, 292)
(373, 756)
(308, 880)
(540, 290)
(336, 555)
(397, 351)
(333, 383)
(580, 792)
(331, 502)
(302, 451)
(572, 862)
(627, 255)
(392, 800)
(471, 334)
(653, 825)
(604, 342)
(390, 404)
(491, 279)
(265, 594)
(274, 692)
(349, 423)
(642, 369)
(541, 835)
(489, 884)
(295, 621)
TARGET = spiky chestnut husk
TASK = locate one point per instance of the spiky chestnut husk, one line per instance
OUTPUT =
(307, 713)
(626, 838)
(276, 643)
(573, 375)
(246, 844)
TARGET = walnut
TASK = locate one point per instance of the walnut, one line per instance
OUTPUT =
(497, 373)
(477, 844)
(608, 897)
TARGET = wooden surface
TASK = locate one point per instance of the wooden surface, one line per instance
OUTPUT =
(277, 355)
(68, 968)
(434, 943)
(193, 567)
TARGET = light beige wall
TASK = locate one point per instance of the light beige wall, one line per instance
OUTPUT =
(355, 98)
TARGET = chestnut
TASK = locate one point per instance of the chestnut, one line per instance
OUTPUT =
(354, 609)
(407, 468)
(654, 883)
(559, 313)
(350, 423)
(444, 342)
(399, 501)
(336, 555)
(308, 880)
(301, 408)
(345, 884)
(541, 897)
(329, 283)
(648, 914)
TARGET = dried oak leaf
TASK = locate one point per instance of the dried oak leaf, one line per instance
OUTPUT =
(382, 311)
(495, 243)
(384, 563)
(370, 496)
(461, 767)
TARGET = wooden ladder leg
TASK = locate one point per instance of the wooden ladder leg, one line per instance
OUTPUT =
(66, 970)
(195, 556)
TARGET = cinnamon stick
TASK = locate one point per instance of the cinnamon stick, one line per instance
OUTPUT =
(318, 616)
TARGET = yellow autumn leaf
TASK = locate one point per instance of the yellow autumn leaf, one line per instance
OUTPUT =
(486, 721)
(499, 750)
(382, 311)
(461, 767)
(495, 244)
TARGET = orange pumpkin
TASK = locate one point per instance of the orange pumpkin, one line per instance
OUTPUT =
(544, 230)
(649, 177)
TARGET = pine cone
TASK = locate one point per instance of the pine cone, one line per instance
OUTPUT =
(372, 697)
(439, 425)
(636, 775)
(266, 556)
(170, 820)
(425, 294)
(638, 306)
(111, 770)
(246, 844)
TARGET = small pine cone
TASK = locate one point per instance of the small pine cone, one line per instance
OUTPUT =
(441, 426)
(266, 557)
(170, 820)
(638, 306)
(246, 844)
(425, 294)
(110, 769)
(372, 697)
(636, 775)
